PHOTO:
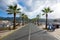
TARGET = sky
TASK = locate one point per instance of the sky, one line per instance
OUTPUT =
(32, 7)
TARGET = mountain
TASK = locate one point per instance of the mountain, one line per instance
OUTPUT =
(19, 19)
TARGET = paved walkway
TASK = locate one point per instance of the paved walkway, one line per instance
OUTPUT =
(56, 33)
(30, 32)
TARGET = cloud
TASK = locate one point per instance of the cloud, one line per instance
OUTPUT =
(38, 5)
(31, 5)
(34, 7)
(5, 3)
(56, 9)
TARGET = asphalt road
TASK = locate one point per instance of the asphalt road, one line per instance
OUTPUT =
(30, 32)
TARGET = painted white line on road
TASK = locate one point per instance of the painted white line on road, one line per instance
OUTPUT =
(29, 33)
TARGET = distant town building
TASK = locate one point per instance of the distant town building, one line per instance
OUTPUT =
(5, 23)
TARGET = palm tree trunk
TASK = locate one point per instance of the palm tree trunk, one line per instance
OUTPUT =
(24, 21)
(46, 19)
(14, 26)
(37, 21)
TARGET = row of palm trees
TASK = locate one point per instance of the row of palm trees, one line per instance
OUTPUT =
(24, 18)
(14, 10)
(45, 12)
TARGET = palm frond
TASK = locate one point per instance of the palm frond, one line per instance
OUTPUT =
(43, 14)
(18, 9)
(48, 9)
(18, 12)
(8, 10)
(51, 11)
(15, 7)
(43, 10)
(10, 7)
(22, 14)
(9, 13)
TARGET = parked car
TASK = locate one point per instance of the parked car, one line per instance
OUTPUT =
(50, 27)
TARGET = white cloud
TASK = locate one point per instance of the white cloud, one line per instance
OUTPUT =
(34, 7)
(56, 9)
(5, 3)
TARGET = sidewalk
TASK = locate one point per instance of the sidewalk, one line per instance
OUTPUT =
(55, 33)
(8, 32)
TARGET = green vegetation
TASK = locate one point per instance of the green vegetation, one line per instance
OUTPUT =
(38, 19)
(13, 10)
(46, 11)
(24, 18)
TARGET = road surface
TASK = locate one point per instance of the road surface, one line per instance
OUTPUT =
(30, 32)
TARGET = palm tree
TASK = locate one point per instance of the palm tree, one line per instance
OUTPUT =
(38, 19)
(22, 18)
(13, 10)
(46, 11)
(26, 18)
(34, 20)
